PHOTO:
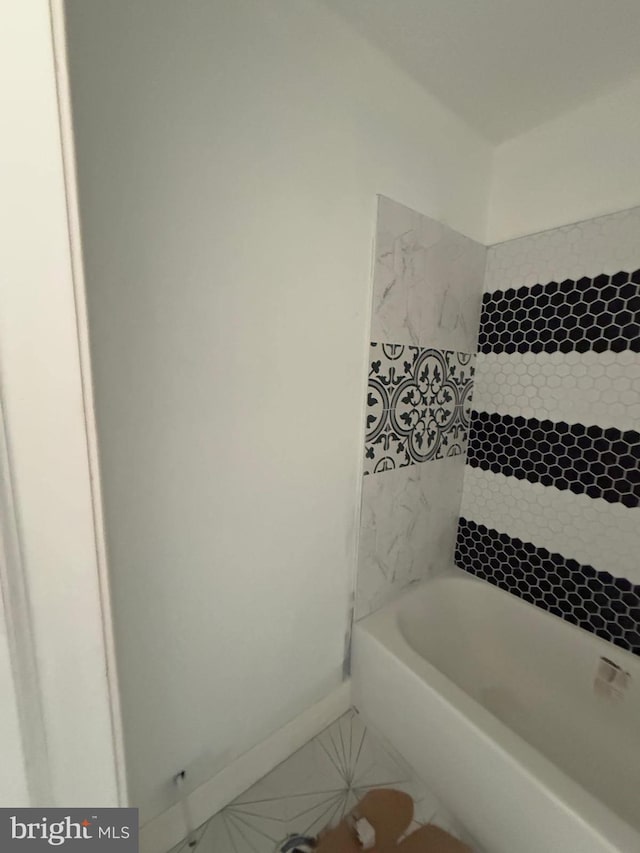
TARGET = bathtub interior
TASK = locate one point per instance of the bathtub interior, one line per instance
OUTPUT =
(537, 675)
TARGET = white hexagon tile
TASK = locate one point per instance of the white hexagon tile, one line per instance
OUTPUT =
(588, 387)
(315, 787)
(592, 532)
(551, 496)
(605, 244)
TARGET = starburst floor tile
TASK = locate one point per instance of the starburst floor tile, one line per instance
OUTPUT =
(315, 787)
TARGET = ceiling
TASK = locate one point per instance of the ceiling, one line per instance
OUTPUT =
(505, 65)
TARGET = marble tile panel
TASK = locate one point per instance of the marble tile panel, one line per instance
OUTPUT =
(407, 528)
(427, 283)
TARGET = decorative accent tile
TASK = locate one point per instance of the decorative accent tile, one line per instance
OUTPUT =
(593, 532)
(605, 244)
(588, 314)
(601, 463)
(407, 529)
(427, 286)
(596, 601)
(314, 788)
(589, 387)
(427, 281)
(418, 405)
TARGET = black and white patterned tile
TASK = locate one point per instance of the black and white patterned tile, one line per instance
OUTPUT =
(601, 463)
(592, 532)
(427, 287)
(418, 405)
(315, 788)
(551, 498)
(593, 600)
(588, 388)
(596, 314)
(604, 244)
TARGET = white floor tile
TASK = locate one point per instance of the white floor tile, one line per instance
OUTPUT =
(314, 788)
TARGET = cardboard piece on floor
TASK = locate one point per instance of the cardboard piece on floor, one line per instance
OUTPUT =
(389, 813)
(431, 839)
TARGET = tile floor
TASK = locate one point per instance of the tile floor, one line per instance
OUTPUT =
(314, 787)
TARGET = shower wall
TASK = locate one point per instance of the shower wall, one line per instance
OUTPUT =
(426, 302)
(550, 509)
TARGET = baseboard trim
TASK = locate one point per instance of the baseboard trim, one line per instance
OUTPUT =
(165, 831)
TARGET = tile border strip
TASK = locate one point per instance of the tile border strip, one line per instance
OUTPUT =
(591, 460)
(601, 313)
(418, 405)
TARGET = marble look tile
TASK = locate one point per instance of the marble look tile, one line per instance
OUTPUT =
(407, 528)
(428, 281)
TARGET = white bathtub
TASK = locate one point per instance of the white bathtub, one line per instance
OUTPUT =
(492, 701)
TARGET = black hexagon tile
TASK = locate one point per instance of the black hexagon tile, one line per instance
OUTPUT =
(593, 600)
(601, 463)
(597, 314)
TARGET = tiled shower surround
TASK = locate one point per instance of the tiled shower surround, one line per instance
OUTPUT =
(550, 508)
(426, 305)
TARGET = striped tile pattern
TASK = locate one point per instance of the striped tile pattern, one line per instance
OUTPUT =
(588, 388)
(602, 463)
(596, 601)
(592, 532)
(551, 500)
(596, 314)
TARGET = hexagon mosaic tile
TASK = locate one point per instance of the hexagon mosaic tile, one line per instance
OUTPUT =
(604, 244)
(602, 463)
(551, 498)
(596, 601)
(588, 314)
(593, 532)
(598, 388)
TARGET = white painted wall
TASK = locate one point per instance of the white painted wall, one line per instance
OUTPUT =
(49, 497)
(13, 771)
(584, 164)
(229, 156)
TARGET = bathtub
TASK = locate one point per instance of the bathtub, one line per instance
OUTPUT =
(493, 702)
